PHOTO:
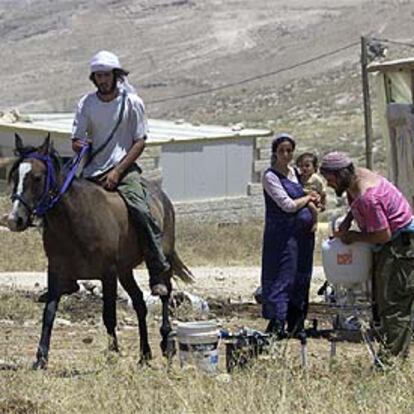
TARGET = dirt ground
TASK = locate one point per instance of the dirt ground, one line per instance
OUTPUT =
(236, 284)
(80, 366)
(228, 291)
(79, 329)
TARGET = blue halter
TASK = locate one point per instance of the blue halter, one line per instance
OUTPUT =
(51, 193)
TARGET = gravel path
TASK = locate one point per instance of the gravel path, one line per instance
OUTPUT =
(236, 283)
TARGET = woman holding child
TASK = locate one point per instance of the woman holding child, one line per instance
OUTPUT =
(288, 242)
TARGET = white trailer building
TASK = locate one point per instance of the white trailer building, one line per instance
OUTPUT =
(212, 172)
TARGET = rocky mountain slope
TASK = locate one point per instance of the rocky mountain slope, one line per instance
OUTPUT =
(282, 64)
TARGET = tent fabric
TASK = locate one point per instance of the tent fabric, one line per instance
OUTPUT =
(397, 127)
(401, 132)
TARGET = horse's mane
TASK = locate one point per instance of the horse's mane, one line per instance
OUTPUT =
(22, 154)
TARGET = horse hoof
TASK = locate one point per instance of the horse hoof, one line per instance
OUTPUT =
(168, 349)
(43, 297)
(113, 348)
(41, 363)
(144, 361)
(159, 290)
(113, 344)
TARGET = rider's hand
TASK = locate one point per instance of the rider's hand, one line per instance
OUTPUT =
(78, 144)
(111, 180)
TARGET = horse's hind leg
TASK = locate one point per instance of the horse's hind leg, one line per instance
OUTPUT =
(130, 285)
(52, 302)
(167, 346)
(109, 287)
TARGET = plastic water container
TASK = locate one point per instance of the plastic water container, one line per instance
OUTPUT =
(197, 344)
(346, 264)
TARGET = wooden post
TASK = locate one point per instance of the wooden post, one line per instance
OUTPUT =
(367, 104)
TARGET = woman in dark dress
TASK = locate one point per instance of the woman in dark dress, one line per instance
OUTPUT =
(288, 243)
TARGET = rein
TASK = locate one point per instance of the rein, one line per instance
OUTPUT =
(51, 194)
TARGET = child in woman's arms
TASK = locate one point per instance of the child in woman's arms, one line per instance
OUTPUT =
(311, 181)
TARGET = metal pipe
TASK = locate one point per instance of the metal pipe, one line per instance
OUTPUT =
(367, 104)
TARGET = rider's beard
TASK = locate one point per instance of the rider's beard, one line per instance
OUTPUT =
(104, 90)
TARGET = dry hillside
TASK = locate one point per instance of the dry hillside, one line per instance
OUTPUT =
(180, 47)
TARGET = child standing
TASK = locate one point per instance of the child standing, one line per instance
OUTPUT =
(308, 167)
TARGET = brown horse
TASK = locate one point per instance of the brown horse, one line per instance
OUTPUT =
(88, 234)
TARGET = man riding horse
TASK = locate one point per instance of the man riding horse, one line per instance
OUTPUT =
(91, 231)
(112, 121)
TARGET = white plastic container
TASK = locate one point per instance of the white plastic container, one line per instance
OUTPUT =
(346, 264)
(197, 343)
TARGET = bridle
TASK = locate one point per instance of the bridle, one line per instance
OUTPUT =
(42, 205)
(51, 192)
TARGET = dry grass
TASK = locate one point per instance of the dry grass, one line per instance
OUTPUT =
(17, 310)
(263, 389)
(22, 251)
(201, 245)
(211, 244)
(204, 244)
(83, 377)
(92, 382)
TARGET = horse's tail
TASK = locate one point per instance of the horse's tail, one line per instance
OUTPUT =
(180, 269)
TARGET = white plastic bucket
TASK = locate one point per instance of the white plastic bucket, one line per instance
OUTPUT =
(197, 344)
(346, 264)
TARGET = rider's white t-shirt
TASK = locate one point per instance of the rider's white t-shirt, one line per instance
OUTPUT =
(96, 119)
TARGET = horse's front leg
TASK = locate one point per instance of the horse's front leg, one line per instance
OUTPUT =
(167, 345)
(109, 288)
(52, 302)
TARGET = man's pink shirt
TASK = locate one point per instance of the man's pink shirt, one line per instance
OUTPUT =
(381, 207)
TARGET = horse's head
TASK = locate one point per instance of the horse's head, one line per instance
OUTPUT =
(33, 178)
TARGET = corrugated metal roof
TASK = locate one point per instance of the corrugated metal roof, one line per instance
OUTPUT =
(407, 63)
(160, 131)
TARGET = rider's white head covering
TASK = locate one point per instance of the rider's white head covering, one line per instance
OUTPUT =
(106, 61)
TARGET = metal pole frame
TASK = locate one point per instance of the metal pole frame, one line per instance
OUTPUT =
(367, 104)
